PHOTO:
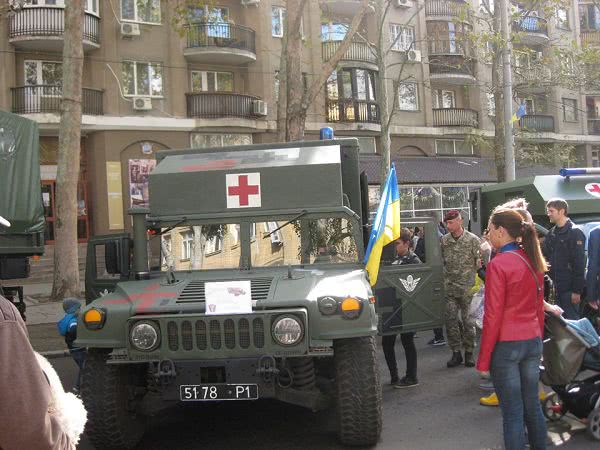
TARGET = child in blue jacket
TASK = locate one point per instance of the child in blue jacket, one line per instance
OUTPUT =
(67, 327)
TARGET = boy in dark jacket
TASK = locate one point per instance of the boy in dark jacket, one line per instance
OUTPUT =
(67, 327)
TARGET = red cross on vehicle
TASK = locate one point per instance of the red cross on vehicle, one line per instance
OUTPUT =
(593, 188)
(243, 190)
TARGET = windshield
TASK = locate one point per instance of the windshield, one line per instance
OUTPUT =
(276, 243)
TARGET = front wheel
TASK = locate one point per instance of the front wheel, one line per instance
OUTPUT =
(110, 394)
(593, 425)
(358, 391)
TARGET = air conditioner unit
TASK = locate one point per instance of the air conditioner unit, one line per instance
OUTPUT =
(259, 108)
(403, 3)
(250, 2)
(413, 56)
(142, 103)
(130, 29)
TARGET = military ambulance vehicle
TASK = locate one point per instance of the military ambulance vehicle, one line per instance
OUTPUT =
(579, 187)
(261, 292)
(23, 225)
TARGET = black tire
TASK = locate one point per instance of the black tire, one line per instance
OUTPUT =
(593, 425)
(107, 392)
(358, 391)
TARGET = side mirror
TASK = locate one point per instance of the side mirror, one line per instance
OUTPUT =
(111, 257)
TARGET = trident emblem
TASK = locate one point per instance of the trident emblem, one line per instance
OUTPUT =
(410, 283)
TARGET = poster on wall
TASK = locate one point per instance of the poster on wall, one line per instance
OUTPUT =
(139, 170)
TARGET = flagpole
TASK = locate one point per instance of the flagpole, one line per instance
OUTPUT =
(509, 150)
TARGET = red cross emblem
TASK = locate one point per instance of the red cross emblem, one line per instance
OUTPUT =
(593, 189)
(243, 190)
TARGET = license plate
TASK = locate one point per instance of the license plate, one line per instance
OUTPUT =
(214, 392)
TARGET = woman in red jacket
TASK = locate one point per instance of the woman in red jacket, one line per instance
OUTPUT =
(513, 325)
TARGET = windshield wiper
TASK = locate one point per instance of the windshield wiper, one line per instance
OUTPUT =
(303, 213)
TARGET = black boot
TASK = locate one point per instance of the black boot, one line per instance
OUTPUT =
(469, 359)
(393, 377)
(456, 360)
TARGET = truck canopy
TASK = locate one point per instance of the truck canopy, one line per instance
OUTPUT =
(584, 206)
(255, 180)
(20, 187)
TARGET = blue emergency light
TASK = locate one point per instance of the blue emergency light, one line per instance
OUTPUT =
(564, 172)
(326, 133)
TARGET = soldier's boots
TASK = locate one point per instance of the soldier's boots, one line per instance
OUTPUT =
(469, 362)
(456, 360)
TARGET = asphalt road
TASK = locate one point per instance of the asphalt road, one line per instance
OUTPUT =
(441, 413)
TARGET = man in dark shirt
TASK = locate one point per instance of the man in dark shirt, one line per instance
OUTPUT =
(403, 256)
(564, 249)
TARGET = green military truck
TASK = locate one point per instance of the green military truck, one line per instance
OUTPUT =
(261, 291)
(21, 208)
(579, 187)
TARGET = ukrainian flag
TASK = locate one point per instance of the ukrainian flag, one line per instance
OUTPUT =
(386, 227)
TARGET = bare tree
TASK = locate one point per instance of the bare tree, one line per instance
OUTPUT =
(66, 262)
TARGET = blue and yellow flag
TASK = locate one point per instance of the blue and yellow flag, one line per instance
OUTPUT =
(386, 227)
(522, 111)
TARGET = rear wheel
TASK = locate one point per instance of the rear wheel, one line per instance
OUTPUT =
(110, 394)
(358, 391)
(553, 407)
(593, 425)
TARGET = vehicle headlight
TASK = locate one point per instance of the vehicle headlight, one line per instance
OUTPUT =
(144, 336)
(287, 330)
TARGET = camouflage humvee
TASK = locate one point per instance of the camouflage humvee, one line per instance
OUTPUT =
(261, 291)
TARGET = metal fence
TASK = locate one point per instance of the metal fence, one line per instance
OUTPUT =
(358, 51)
(219, 104)
(350, 110)
(455, 117)
(535, 122)
(447, 8)
(220, 34)
(451, 66)
(531, 24)
(47, 99)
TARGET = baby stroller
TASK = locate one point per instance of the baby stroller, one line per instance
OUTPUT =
(572, 350)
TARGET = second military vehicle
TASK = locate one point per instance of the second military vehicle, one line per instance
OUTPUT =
(261, 292)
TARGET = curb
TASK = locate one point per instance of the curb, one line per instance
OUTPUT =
(53, 354)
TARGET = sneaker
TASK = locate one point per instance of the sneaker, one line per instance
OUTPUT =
(406, 382)
(490, 400)
(542, 396)
(437, 342)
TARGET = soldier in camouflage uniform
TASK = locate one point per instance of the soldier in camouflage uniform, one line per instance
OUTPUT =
(460, 250)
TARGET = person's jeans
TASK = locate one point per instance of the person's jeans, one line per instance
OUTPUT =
(78, 356)
(571, 311)
(515, 372)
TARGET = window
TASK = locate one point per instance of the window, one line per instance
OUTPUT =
(408, 96)
(595, 157)
(213, 245)
(569, 109)
(351, 84)
(219, 16)
(589, 17)
(452, 147)
(277, 21)
(562, 18)
(402, 37)
(491, 104)
(187, 243)
(202, 140)
(443, 99)
(211, 81)
(276, 237)
(142, 79)
(147, 11)
(333, 31)
(44, 73)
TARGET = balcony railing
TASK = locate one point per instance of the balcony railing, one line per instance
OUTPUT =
(590, 37)
(45, 21)
(451, 66)
(533, 74)
(450, 47)
(531, 24)
(446, 8)
(535, 122)
(350, 110)
(47, 99)
(212, 105)
(224, 35)
(358, 51)
(455, 117)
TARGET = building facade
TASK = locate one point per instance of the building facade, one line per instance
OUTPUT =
(150, 86)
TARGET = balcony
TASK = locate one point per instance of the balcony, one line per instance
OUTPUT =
(590, 37)
(535, 79)
(220, 43)
(47, 99)
(342, 8)
(455, 117)
(214, 105)
(42, 28)
(450, 62)
(362, 53)
(351, 110)
(446, 10)
(533, 30)
(537, 123)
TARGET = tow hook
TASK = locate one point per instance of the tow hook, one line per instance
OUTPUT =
(165, 371)
(267, 368)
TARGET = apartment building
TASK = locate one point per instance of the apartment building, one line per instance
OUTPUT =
(150, 87)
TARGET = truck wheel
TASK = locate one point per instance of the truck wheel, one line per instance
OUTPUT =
(358, 391)
(109, 394)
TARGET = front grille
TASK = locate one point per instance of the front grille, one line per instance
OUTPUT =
(194, 291)
(214, 334)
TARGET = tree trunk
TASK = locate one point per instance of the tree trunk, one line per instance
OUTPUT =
(282, 92)
(497, 84)
(198, 248)
(296, 115)
(66, 262)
